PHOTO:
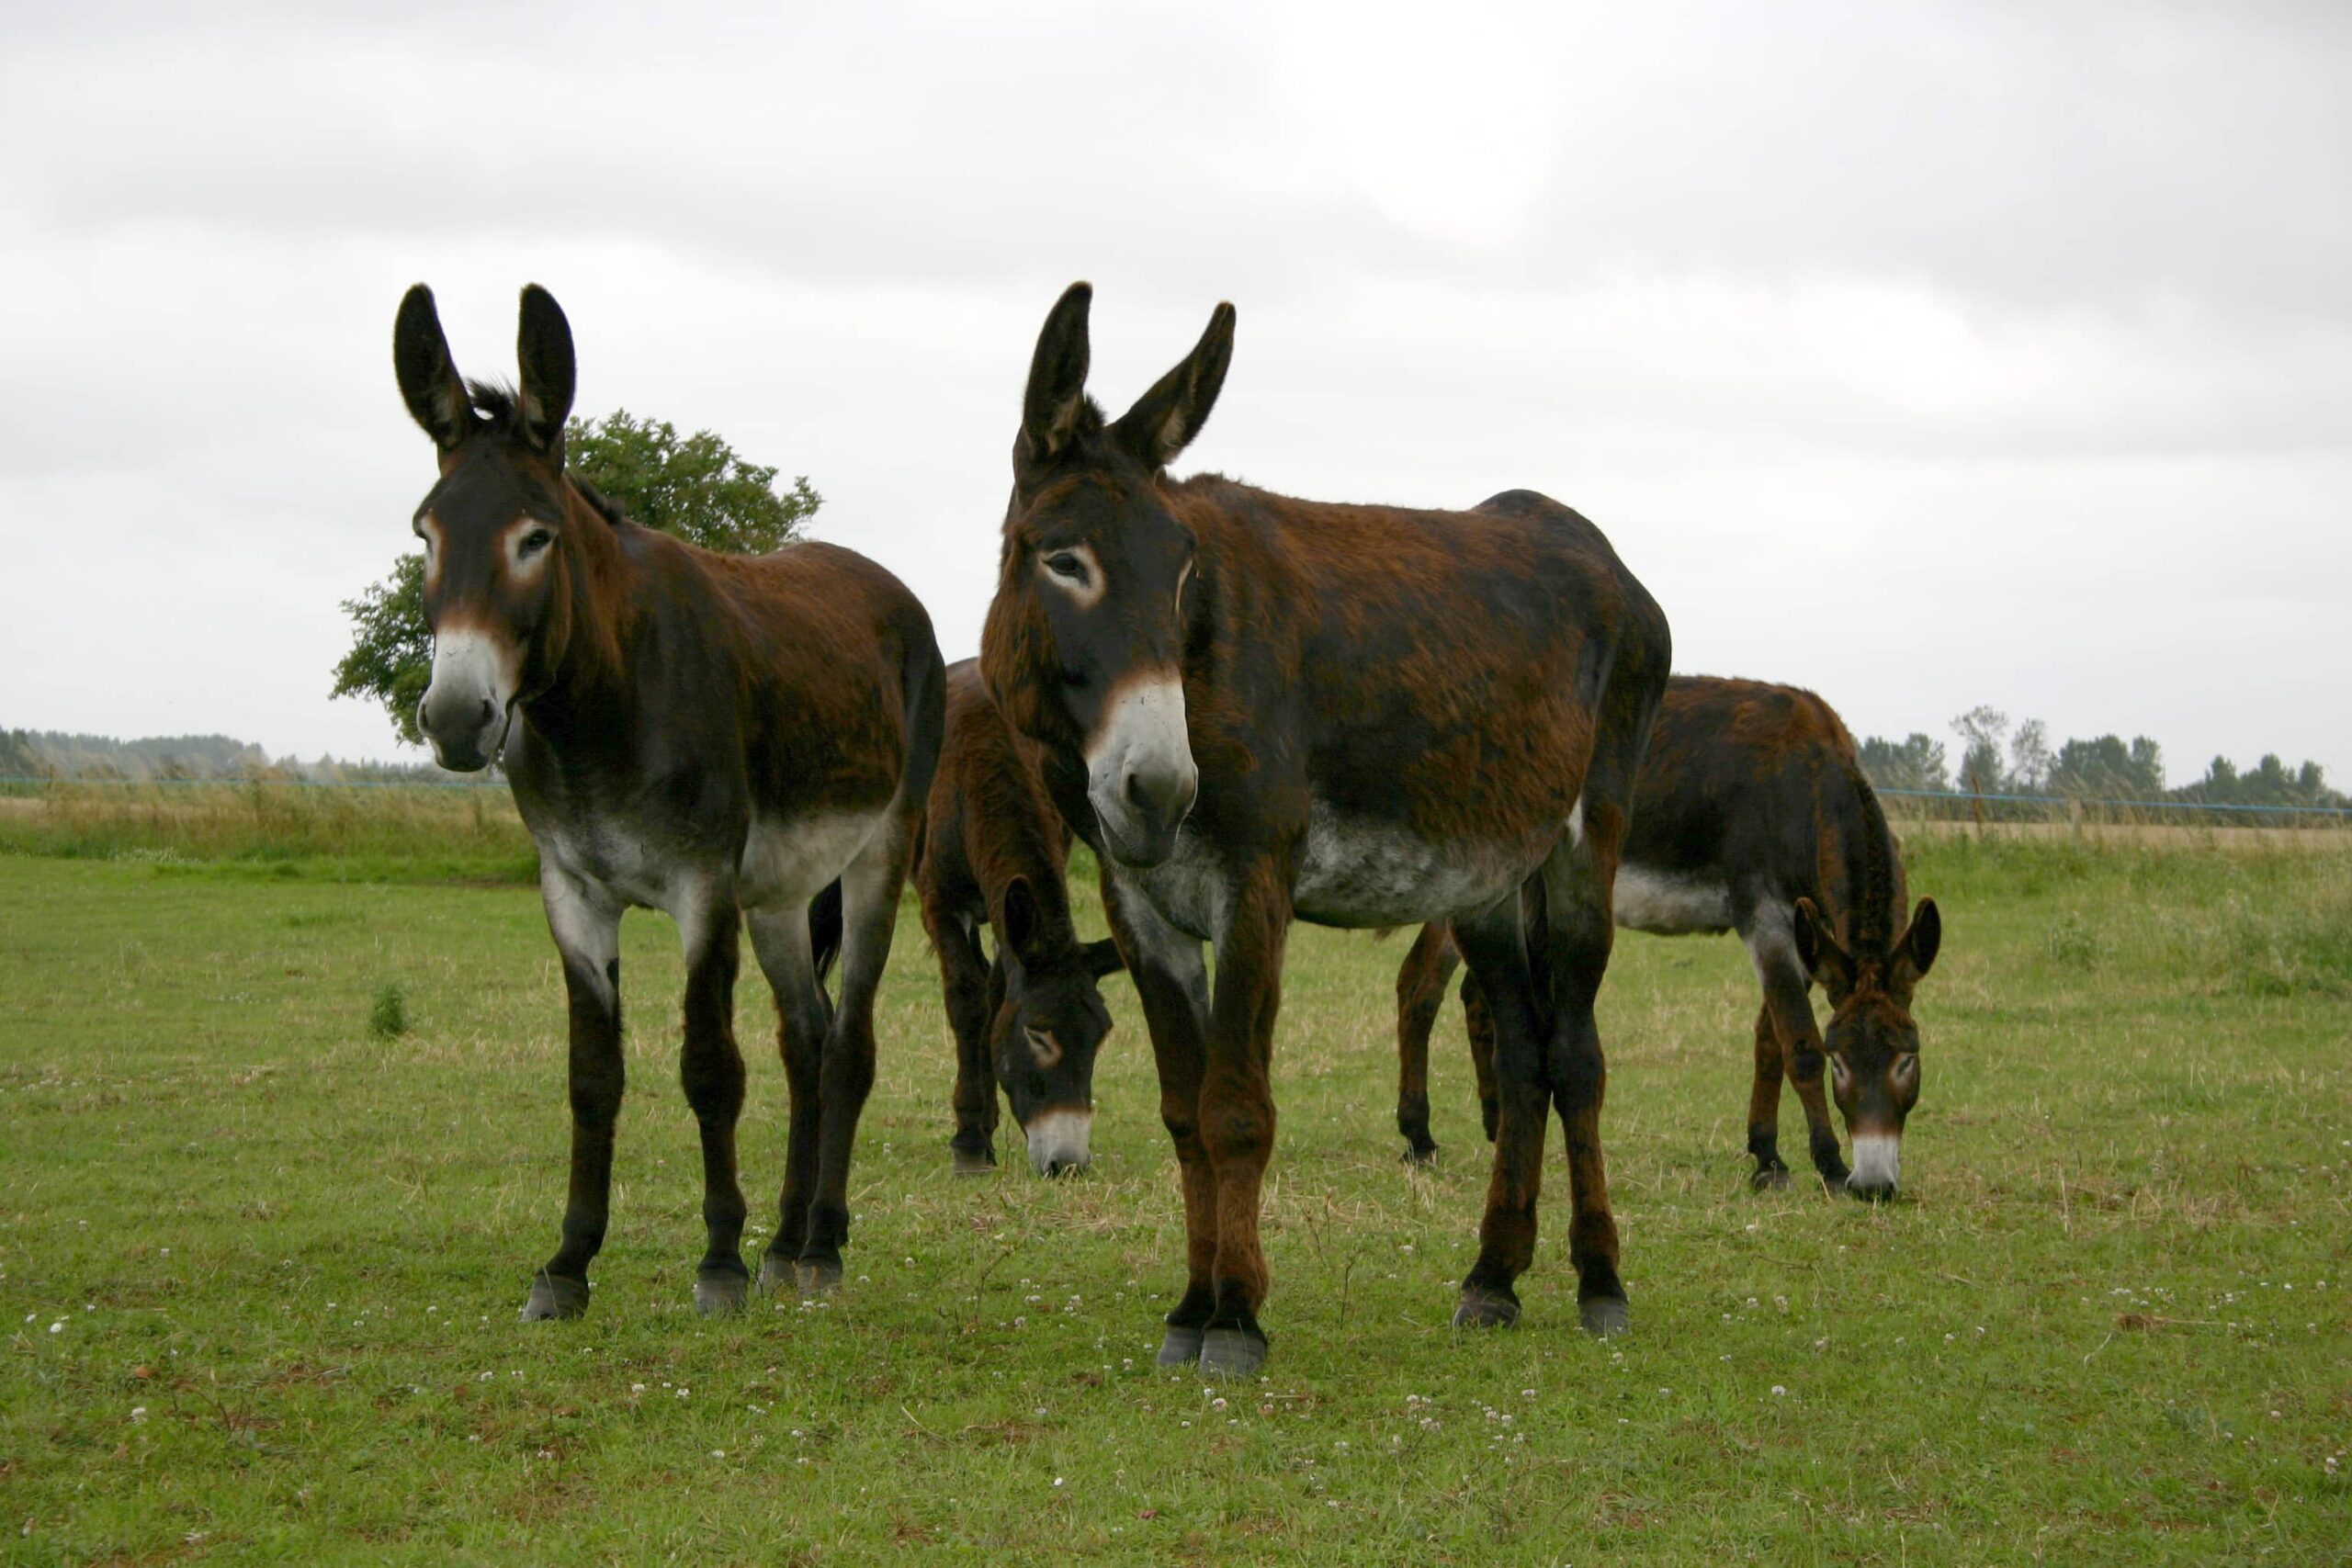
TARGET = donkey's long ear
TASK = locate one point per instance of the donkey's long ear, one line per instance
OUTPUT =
(1166, 418)
(430, 385)
(1914, 952)
(543, 349)
(1817, 950)
(1056, 394)
(1020, 922)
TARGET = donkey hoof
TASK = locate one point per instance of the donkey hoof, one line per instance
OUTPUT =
(1604, 1317)
(969, 1163)
(819, 1276)
(1774, 1178)
(721, 1294)
(1486, 1309)
(777, 1272)
(1421, 1154)
(1179, 1346)
(1231, 1352)
(552, 1298)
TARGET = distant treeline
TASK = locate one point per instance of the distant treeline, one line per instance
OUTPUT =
(1994, 761)
(53, 754)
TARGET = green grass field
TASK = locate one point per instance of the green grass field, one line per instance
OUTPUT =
(260, 1256)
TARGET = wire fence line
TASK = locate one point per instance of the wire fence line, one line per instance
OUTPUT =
(1955, 798)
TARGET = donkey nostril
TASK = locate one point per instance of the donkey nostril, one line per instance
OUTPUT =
(488, 712)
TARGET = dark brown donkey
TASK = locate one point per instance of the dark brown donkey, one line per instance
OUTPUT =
(1752, 815)
(1260, 709)
(1031, 1020)
(683, 731)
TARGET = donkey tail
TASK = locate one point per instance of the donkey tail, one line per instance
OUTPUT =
(825, 928)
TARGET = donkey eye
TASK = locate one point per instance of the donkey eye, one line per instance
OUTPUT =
(1067, 564)
(536, 540)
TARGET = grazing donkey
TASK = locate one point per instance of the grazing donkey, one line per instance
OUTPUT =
(992, 853)
(1752, 815)
(1258, 709)
(683, 731)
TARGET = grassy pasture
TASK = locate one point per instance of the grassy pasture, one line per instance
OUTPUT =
(282, 1132)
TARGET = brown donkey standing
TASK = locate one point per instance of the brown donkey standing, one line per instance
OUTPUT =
(1031, 1019)
(683, 731)
(1752, 815)
(1258, 709)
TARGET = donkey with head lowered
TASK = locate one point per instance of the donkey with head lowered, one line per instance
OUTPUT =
(1030, 1019)
(1752, 815)
(713, 735)
(1259, 709)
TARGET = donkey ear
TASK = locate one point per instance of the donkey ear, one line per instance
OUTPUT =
(1915, 954)
(1817, 950)
(1166, 418)
(1057, 393)
(1018, 930)
(1102, 958)
(430, 385)
(543, 349)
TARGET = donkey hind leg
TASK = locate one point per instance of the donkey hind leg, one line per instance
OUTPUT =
(780, 938)
(966, 982)
(1421, 993)
(586, 927)
(1479, 1024)
(1578, 889)
(1496, 949)
(1171, 984)
(711, 1071)
(1790, 1008)
(870, 888)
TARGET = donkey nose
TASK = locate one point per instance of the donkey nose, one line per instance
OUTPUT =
(1161, 793)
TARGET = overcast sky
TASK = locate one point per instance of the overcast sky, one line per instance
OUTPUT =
(1926, 355)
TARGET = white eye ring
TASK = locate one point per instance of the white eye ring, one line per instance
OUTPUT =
(1073, 570)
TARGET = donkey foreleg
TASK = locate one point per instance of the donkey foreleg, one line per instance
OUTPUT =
(964, 980)
(1171, 984)
(1764, 1106)
(1421, 993)
(1786, 999)
(1237, 1115)
(586, 928)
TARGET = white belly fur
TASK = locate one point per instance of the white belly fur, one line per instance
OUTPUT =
(1666, 903)
(784, 865)
(1357, 872)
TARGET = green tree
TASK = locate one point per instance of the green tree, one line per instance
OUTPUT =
(1983, 733)
(694, 485)
(1915, 762)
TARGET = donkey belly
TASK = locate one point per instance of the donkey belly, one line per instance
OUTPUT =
(1357, 871)
(1671, 903)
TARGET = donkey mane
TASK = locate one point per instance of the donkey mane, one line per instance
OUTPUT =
(1871, 907)
(500, 406)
